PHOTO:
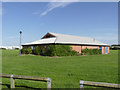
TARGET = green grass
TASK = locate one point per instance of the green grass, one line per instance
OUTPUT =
(65, 72)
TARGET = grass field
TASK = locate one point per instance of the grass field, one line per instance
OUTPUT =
(65, 72)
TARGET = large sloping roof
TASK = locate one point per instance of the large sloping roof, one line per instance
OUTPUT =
(42, 41)
(66, 39)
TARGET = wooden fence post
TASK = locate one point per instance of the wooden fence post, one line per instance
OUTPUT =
(12, 82)
(81, 84)
(48, 84)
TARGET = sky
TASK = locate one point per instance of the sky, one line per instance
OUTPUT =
(97, 20)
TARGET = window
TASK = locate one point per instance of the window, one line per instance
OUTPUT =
(32, 47)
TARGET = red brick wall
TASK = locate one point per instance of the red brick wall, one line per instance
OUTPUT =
(79, 48)
(103, 49)
(76, 48)
(90, 47)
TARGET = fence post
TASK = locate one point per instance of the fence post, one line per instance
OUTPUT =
(48, 84)
(81, 84)
(12, 82)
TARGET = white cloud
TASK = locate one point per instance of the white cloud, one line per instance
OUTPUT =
(56, 4)
(63, 3)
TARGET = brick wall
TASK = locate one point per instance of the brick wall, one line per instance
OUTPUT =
(79, 48)
(103, 50)
(76, 48)
(90, 47)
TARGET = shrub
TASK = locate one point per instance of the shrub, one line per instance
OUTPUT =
(50, 51)
(29, 50)
(37, 50)
(84, 51)
(97, 51)
(59, 50)
(26, 50)
(73, 53)
(23, 50)
(91, 51)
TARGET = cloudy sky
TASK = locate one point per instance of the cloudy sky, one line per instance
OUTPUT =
(98, 20)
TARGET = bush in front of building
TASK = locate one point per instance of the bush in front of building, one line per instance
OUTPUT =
(37, 50)
(60, 50)
(29, 50)
(23, 50)
(97, 51)
(74, 53)
(87, 51)
(26, 50)
(50, 51)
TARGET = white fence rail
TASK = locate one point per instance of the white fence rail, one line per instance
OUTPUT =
(98, 84)
(13, 77)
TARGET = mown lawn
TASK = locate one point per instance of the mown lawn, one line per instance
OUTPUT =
(65, 72)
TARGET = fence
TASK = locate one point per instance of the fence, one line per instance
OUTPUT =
(98, 84)
(13, 77)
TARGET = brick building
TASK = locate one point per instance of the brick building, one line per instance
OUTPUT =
(76, 42)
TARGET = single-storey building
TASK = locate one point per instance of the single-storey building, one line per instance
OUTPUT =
(76, 42)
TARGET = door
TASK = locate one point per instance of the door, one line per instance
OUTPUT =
(100, 48)
(106, 50)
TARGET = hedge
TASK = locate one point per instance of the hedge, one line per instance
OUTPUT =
(91, 51)
(55, 50)
(60, 50)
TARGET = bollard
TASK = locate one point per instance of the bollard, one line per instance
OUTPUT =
(81, 84)
(48, 84)
(12, 82)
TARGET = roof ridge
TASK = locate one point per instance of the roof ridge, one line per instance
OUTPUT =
(71, 35)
